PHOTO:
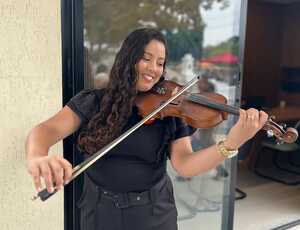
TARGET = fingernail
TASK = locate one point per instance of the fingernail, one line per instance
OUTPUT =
(39, 189)
(67, 182)
(51, 189)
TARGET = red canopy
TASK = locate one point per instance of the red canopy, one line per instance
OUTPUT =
(225, 58)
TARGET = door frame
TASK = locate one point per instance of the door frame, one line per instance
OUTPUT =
(73, 82)
(228, 204)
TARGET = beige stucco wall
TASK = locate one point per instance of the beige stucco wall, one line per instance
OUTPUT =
(31, 91)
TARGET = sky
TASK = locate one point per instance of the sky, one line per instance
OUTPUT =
(221, 24)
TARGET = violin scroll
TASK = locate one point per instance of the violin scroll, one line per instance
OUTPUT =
(288, 135)
(291, 135)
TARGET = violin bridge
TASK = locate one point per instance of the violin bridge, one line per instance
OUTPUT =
(175, 90)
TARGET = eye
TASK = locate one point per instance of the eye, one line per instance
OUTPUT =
(146, 59)
(161, 64)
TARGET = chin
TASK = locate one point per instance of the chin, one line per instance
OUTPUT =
(145, 87)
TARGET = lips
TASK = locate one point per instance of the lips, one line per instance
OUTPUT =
(148, 77)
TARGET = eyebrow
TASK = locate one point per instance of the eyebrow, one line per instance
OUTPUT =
(161, 58)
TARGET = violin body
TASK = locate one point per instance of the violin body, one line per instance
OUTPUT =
(205, 110)
(193, 114)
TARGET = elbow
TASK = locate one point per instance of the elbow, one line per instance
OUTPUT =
(184, 174)
(187, 172)
(181, 169)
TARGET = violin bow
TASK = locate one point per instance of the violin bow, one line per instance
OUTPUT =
(77, 170)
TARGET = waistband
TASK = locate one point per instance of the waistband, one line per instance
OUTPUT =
(128, 199)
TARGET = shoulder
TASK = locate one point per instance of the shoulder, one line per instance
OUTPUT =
(87, 97)
(94, 94)
(86, 103)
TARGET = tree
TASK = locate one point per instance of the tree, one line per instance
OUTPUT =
(184, 41)
(116, 18)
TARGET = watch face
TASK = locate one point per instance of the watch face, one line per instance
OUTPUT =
(228, 153)
(233, 154)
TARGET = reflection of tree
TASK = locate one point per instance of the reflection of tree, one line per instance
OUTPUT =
(184, 41)
(108, 22)
(231, 45)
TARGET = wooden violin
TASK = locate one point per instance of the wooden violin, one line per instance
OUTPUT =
(204, 110)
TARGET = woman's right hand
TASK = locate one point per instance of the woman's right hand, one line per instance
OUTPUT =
(54, 169)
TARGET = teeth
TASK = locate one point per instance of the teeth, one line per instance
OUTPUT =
(148, 77)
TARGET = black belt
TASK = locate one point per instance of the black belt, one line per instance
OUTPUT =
(128, 199)
(125, 200)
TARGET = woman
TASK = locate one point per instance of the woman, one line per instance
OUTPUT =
(128, 188)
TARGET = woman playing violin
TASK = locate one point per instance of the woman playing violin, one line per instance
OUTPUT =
(129, 187)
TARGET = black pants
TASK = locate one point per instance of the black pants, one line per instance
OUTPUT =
(153, 209)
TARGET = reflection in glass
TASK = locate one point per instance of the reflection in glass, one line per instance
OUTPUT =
(203, 39)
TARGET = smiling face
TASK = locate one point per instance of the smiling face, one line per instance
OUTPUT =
(151, 66)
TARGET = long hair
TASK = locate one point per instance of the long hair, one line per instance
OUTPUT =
(118, 99)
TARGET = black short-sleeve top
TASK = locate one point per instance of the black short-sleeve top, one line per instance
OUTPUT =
(139, 161)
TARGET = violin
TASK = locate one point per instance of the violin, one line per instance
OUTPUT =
(205, 110)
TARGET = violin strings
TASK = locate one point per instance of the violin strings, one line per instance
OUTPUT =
(212, 104)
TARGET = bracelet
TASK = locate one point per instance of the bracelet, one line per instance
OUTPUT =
(224, 151)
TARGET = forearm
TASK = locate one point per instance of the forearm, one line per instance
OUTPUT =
(188, 163)
(200, 161)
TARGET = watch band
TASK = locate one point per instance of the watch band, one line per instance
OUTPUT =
(226, 152)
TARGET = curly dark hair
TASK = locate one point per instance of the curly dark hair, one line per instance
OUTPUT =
(118, 99)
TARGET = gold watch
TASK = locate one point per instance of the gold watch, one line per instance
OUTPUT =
(226, 152)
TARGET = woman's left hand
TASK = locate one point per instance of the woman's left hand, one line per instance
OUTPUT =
(248, 124)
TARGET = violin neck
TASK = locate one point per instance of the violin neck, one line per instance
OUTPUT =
(202, 100)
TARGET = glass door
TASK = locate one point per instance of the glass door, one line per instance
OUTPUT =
(203, 38)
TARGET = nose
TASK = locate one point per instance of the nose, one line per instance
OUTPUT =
(152, 66)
